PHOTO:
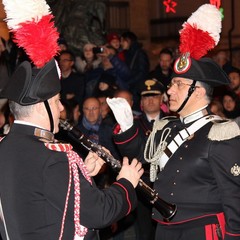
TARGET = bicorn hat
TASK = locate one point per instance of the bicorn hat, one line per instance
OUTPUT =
(29, 85)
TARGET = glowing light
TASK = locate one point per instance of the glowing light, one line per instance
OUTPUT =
(170, 6)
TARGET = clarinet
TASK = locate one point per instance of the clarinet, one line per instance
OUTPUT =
(167, 210)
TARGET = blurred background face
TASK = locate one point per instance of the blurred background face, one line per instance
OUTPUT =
(234, 80)
(125, 44)
(76, 114)
(126, 96)
(91, 110)
(115, 43)
(103, 86)
(228, 103)
(151, 104)
(88, 53)
(104, 108)
(221, 58)
(65, 62)
(165, 61)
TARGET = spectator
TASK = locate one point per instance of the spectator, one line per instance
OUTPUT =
(216, 108)
(113, 39)
(88, 64)
(114, 66)
(138, 63)
(234, 76)
(106, 112)
(221, 58)
(94, 128)
(62, 44)
(71, 111)
(231, 105)
(72, 83)
(163, 70)
(106, 85)
(129, 97)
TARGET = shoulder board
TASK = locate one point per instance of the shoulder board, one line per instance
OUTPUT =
(161, 123)
(170, 118)
(223, 130)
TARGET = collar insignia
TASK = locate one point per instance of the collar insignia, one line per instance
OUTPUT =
(235, 170)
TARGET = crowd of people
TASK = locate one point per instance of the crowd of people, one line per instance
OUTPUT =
(121, 69)
(122, 64)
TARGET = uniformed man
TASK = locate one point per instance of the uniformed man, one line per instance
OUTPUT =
(194, 159)
(35, 172)
(46, 190)
(151, 100)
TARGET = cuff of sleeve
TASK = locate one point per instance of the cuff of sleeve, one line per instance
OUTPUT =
(124, 137)
(130, 194)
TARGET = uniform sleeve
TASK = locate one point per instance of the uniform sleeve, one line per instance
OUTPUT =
(130, 143)
(99, 208)
(225, 162)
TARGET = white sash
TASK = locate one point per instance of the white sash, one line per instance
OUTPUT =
(163, 153)
(182, 136)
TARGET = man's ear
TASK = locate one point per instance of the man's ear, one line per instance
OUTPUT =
(40, 108)
(200, 92)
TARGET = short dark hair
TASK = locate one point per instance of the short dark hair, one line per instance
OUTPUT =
(71, 54)
(166, 51)
(130, 35)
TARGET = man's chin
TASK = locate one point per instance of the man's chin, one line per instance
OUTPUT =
(173, 108)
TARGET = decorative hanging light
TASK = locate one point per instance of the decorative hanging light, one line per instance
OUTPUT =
(170, 6)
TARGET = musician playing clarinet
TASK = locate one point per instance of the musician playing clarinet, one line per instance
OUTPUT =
(194, 158)
(46, 190)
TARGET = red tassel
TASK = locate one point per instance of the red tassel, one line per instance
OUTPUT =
(195, 41)
(39, 40)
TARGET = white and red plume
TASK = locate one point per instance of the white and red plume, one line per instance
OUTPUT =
(31, 23)
(201, 32)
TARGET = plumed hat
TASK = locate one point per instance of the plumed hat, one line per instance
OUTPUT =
(200, 34)
(33, 29)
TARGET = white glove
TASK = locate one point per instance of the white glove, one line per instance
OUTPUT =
(122, 112)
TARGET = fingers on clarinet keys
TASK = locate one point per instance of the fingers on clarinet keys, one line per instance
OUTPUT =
(132, 172)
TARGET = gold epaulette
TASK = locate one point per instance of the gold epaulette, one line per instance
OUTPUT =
(224, 130)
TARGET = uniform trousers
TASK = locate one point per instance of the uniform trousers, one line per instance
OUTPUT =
(205, 232)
